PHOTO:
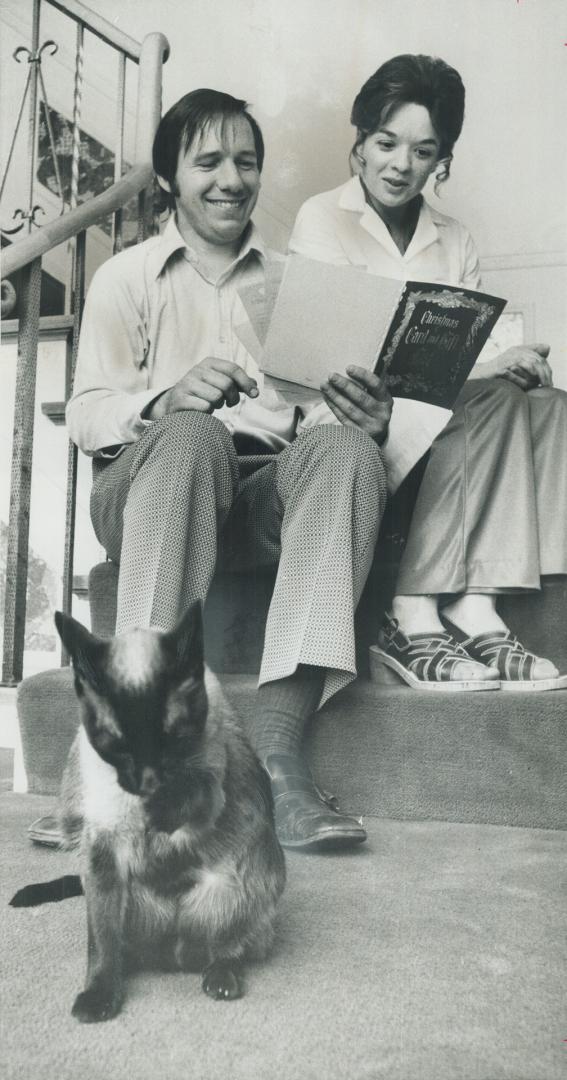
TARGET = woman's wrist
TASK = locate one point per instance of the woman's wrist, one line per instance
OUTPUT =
(486, 370)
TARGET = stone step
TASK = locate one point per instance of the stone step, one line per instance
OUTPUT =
(489, 758)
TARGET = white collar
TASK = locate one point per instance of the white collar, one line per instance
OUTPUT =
(352, 198)
(171, 241)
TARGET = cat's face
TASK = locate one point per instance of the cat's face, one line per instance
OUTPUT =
(144, 707)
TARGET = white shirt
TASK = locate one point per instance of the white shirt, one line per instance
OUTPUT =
(151, 314)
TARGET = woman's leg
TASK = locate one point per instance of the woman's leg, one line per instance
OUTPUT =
(474, 527)
(548, 421)
(513, 457)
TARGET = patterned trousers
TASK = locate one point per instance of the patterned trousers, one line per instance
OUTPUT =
(175, 504)
(491, 514)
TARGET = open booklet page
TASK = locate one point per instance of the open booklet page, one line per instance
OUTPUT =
(422, 337)
(325, 318)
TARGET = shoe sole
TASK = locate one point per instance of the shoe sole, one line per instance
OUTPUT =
(531, 686)
(386, 671)
(45, 831)
(325, 841)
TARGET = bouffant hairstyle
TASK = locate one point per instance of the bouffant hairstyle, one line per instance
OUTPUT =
(418, 80)
(187, 120)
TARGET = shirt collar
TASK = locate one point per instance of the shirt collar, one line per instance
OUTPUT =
(172, 241)
(352, 198)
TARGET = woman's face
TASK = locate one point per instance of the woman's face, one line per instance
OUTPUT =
(397, 159)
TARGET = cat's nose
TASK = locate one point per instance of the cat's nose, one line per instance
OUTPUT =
(149, 782)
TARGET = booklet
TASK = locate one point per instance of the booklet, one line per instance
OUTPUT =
(423, 338)
(308, 319)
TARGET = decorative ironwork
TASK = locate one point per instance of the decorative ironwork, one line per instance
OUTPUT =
(25, 215)
(33, 58)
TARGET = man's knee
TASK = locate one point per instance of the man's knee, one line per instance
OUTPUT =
(346, 452)
(193, 431)
(184, 438)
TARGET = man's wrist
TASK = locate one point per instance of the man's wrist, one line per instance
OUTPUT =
(157, 408)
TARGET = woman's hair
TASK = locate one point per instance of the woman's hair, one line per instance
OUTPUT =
(187, 120)
(418, 80)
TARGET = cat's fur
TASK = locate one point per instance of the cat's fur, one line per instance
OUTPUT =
(173, 813)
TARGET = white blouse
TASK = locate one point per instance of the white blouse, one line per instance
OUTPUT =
(340, 227)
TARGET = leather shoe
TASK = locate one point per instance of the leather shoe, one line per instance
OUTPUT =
(46, 830)
(306, 817)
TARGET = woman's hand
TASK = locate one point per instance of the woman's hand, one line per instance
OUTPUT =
(208, 386)
(525, 365)
(362, 401)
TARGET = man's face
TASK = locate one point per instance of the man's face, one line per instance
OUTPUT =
(217, 184)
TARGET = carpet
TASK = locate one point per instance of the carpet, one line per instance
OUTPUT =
(436, 952)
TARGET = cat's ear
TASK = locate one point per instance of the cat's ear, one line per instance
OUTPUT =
(84, 648)
(187, 639)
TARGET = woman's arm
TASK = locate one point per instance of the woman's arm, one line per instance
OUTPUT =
(524, 365)
(316, 234)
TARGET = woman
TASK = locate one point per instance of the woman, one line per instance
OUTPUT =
(489, 518)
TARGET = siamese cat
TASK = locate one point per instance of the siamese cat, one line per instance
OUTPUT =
(173, 814)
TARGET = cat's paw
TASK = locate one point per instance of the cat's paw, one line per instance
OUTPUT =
(96, 1004)
(222, 980)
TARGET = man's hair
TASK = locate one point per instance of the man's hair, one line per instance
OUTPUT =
(188, 119)
(419, 80)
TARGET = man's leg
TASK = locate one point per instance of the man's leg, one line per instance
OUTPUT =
(322, 498)
(158, 510)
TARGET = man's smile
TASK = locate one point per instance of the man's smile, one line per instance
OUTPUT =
(227, 202)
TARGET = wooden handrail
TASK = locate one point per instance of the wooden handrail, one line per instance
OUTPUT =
(99, 26)
(68, 225)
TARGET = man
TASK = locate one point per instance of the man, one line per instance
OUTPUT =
(164, 398)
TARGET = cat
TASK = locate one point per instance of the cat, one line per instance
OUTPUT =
(173, 814)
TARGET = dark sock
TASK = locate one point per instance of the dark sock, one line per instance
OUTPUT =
(282, 709)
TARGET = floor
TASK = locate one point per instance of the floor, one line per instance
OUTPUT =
(436, 952)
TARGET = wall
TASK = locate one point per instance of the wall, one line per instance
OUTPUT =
(301, 62)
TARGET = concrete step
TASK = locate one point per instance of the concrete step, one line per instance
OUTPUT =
(491, 758)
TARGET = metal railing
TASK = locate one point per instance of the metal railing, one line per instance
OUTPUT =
(25, 256)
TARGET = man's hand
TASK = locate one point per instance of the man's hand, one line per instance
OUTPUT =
(206, 387)
(362, 401)
(525, 365)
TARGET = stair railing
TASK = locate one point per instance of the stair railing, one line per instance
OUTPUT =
(26, 255)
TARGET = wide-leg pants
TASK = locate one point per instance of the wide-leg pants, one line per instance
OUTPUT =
(174, 503)
(491, 514)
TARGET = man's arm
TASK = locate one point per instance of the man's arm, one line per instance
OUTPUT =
(111, 386)
(112, 403)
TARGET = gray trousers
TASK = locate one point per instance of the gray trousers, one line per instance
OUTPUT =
(175, 503)
(491, 515)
